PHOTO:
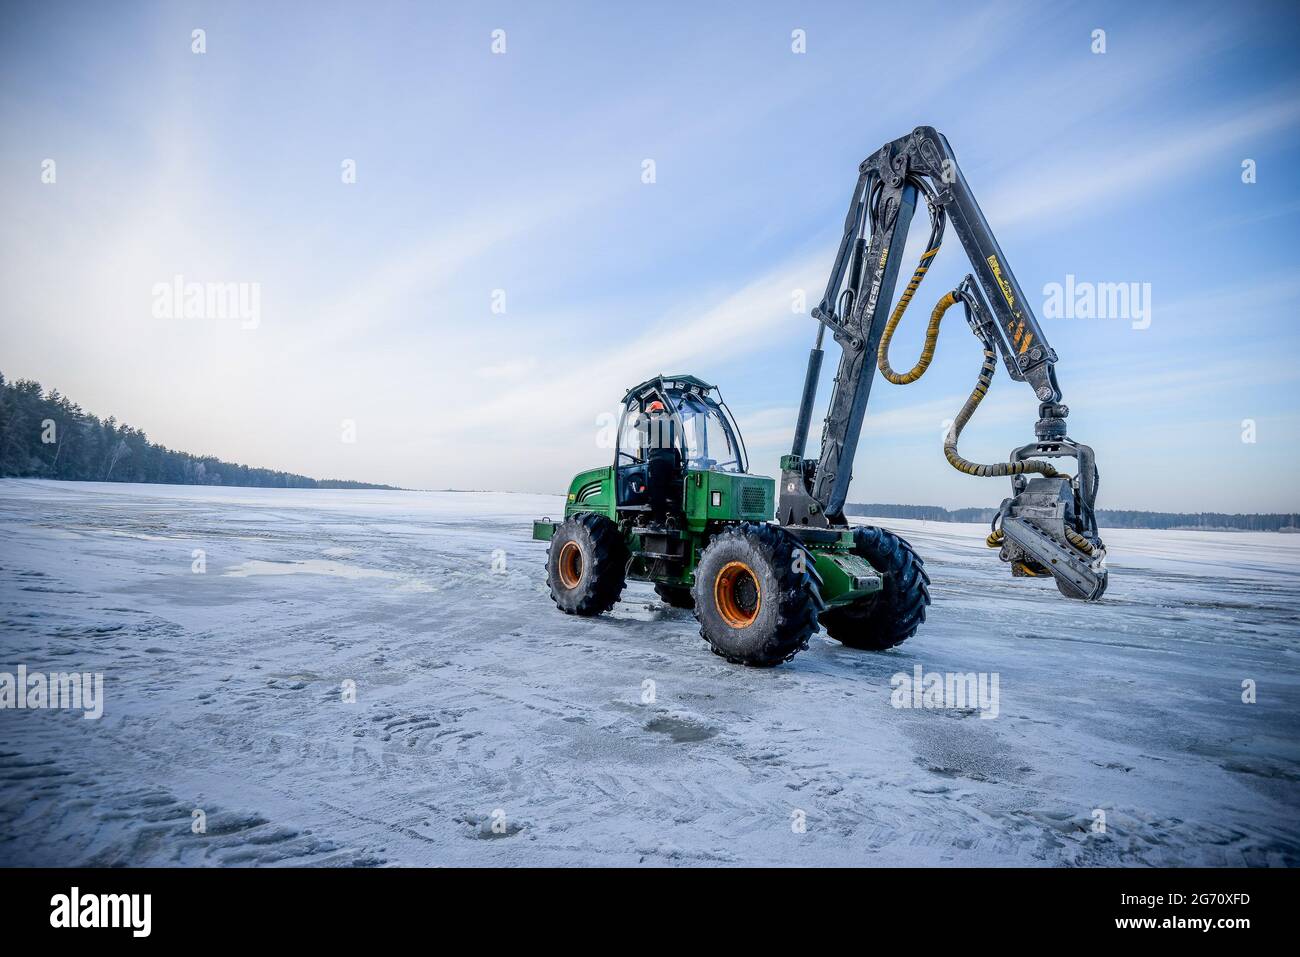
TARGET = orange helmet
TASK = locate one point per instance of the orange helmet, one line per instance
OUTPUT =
(655, 406)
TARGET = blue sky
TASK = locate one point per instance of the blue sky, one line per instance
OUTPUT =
(522, 172)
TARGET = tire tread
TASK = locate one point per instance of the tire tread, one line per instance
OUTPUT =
(893, 615)
(607, 566)
(800, 597)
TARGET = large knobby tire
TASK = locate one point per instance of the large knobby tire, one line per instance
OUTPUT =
(893, 614)
(757, 595)
(679, 596)
(586, 565)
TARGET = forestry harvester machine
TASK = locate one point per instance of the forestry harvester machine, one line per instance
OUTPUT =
(678, 508)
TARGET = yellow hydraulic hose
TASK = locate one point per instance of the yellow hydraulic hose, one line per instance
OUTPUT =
(974, 468)
(931, 332)
(1078, 541)
(923, 363)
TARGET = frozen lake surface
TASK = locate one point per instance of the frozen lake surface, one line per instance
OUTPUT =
(477, 701)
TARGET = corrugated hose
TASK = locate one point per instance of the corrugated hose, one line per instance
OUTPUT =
(927, 356)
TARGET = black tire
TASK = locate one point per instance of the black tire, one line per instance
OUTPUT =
(893, 614)
(586, 565)
(679, 596)
(757, 595)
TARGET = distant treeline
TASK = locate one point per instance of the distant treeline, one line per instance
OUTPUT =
(46, 435)
(1106, 517)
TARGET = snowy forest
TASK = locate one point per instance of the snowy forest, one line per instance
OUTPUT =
(47, 435)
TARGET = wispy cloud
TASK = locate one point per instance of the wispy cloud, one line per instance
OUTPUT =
(1093, 174)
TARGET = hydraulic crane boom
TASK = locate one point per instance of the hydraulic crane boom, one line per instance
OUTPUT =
(1048, 525)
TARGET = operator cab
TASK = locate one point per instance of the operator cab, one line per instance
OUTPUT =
(671, 424)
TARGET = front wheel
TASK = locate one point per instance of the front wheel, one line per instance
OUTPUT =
(757, 595)
(586, 566)
(893, 614)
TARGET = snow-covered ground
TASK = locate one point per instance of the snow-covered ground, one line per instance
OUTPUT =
(478, 702)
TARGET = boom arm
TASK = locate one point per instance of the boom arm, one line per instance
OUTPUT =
(857, 306)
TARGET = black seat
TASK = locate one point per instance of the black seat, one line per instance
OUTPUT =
(633, 486)
(664, 480)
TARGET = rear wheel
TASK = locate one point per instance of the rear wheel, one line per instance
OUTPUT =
(586, 566)
(756, 595)
(893, 614)
(679, 596)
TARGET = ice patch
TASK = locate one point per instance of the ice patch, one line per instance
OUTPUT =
(310, 566)
(320, 566)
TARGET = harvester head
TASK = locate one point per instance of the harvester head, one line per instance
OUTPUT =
(1048, 526)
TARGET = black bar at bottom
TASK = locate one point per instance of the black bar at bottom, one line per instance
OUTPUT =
(978, 907)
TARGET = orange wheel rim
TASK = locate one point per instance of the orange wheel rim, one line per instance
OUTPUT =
(737, 595)
(570, 565)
